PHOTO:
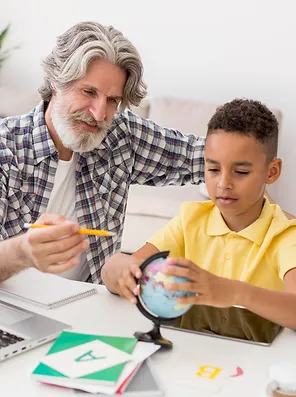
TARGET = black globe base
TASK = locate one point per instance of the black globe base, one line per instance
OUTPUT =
(154, 336)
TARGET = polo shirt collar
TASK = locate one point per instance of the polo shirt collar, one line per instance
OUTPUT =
(255, 232)
(216, 225)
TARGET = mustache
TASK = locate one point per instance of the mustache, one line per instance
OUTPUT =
(87, 118)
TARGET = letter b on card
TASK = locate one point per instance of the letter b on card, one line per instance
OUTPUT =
(208, 372)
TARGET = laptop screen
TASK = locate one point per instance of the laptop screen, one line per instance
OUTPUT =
(233, 322)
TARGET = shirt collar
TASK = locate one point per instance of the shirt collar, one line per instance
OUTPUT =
(216, 225)
(43, 144)
(255, 232)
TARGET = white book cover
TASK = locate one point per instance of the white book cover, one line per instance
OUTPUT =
(83, 359)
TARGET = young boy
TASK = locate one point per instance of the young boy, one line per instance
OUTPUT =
(237, 249)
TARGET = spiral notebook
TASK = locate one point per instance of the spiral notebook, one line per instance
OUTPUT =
(45, 289)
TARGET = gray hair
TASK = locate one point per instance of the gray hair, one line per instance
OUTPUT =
(83, 43)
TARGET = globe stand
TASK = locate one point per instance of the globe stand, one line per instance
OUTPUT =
(154, 336)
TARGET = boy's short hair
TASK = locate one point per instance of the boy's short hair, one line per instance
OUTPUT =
(250, 118)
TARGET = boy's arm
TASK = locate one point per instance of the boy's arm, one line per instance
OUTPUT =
(276, 306)
(119, 272)
(212, 290)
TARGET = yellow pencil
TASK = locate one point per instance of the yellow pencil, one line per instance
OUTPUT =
(81, 231)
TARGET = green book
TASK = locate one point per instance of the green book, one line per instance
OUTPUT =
(81, 359)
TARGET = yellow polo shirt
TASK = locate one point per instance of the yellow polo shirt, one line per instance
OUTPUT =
(260, 254)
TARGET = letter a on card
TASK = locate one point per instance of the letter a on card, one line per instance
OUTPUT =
(86, 358)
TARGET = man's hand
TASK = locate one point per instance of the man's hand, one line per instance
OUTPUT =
(55, 249)
(211, 290)
(128, 269)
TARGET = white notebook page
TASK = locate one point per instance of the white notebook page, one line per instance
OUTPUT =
(45, 289)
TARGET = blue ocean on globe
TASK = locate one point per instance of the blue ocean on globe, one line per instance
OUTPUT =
(155, 298)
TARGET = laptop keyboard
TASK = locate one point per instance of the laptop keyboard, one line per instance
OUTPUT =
(7, 339)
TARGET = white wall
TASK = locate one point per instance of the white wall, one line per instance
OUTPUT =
(213, 50)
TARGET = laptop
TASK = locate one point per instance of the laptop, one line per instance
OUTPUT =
(21, 330)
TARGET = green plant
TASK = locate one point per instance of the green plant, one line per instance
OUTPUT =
(4, 54)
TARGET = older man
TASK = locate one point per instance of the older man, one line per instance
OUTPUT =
(76, 154)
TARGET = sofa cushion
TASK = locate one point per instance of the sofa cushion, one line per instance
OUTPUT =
(162, 202)
(142, 110)
(187, 116)
(138, 229)
(16, 102)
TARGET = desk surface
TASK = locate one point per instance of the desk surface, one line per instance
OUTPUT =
(107, 314)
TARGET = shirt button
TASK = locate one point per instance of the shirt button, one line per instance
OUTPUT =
(227, 256)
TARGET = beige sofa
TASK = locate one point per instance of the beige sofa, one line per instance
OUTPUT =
(14, 102)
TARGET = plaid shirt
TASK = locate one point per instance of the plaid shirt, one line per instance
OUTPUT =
(135, 151)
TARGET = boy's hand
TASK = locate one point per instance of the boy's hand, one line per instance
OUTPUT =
(126, 284)
(211, 290)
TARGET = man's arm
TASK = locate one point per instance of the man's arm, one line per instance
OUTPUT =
(163, 156)
(55, 249)
(289, 216)
(10, 258)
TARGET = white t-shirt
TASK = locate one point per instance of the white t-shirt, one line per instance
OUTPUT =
(62, 202)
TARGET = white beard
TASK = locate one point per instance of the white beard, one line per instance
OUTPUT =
(80, 141)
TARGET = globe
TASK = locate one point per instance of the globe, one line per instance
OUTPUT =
(155, 301)
(154, 296)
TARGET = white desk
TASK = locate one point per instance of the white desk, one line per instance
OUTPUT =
(107, 314)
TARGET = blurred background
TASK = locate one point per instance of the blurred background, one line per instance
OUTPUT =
(209, 50)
